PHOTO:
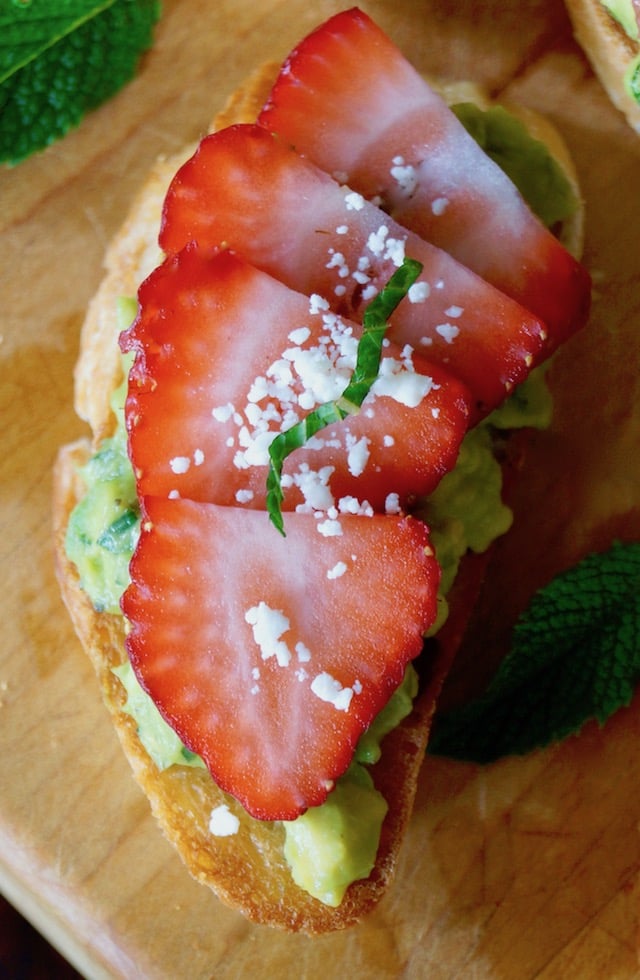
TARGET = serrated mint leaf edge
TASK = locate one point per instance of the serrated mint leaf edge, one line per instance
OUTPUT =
(451, 731)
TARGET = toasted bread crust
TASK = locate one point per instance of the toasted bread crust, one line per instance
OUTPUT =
(247, 871)
(609, 50)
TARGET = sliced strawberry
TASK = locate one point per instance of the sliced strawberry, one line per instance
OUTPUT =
(347, 98)
(269, 656)
(227, 357)
(245, 189)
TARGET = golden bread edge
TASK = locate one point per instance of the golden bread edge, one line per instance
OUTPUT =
(609, 51)
(247, 871)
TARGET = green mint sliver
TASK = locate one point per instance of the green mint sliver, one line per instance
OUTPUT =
(365, 372)
(60, 60)
(575, 657)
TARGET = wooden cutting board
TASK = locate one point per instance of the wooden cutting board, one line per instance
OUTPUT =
(528, 868)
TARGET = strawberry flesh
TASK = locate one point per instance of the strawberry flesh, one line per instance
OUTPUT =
(247, 190)
(348, 99)
(227, 357)
(270, 656)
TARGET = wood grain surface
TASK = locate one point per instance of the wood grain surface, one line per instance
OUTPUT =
(528, 868)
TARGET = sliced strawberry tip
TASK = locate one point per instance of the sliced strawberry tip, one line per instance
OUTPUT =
(270, 656)
(228, 357)
(247, 190)
(390, 136)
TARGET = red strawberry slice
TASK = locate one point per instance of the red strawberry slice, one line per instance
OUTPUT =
(246, 189)
(347, 98)
(269, 656)
(227, 357)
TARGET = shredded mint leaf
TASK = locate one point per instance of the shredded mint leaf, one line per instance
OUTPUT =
(575, 657)
(60, 60)
(526, 160)
(365, 372)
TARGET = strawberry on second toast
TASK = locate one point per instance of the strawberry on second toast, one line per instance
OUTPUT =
(248, 191)
(270, 656)
(228, 357)
(348, 99)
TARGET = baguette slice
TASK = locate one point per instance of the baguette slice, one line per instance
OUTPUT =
(247, 871)
(610, 50)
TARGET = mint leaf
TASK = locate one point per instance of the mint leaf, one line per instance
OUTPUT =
(365, 372)
(60, 60)
(575, 656)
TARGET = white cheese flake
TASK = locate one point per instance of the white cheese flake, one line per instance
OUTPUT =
(419, 292)
(299, 335)
(303, 652)
(354, 201)
(222, 413)
(357, 454)
(180, 464)
(327, 688)
(222, 822)
(392, 504)
(448, 331)
(268, 626)
(439, 205)
(317, 304)
(405, 176)
(337, 571)
(244, 496)
(399, 380)
(330, 529)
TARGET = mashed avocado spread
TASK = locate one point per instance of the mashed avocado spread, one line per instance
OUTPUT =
(334, 844)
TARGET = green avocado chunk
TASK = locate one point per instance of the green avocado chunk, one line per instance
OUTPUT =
(526, 160)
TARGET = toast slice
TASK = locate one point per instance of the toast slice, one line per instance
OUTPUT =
(247, 871)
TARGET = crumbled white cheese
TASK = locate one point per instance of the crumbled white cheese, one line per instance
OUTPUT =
(300, 335)
(357, 454)
(222, 413)
(180, 464)
(398, 380)
(392, 504)
(448, 331)
(244, 496)
(327, 688)
(337, 571)
(354, 201)
(405, 176)
(383, 246)
(222, 822)
(439, 205)
(268, 626)
(351, 505)
(330, 529)
(317, 304)
(303, 652)
(419, 292)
